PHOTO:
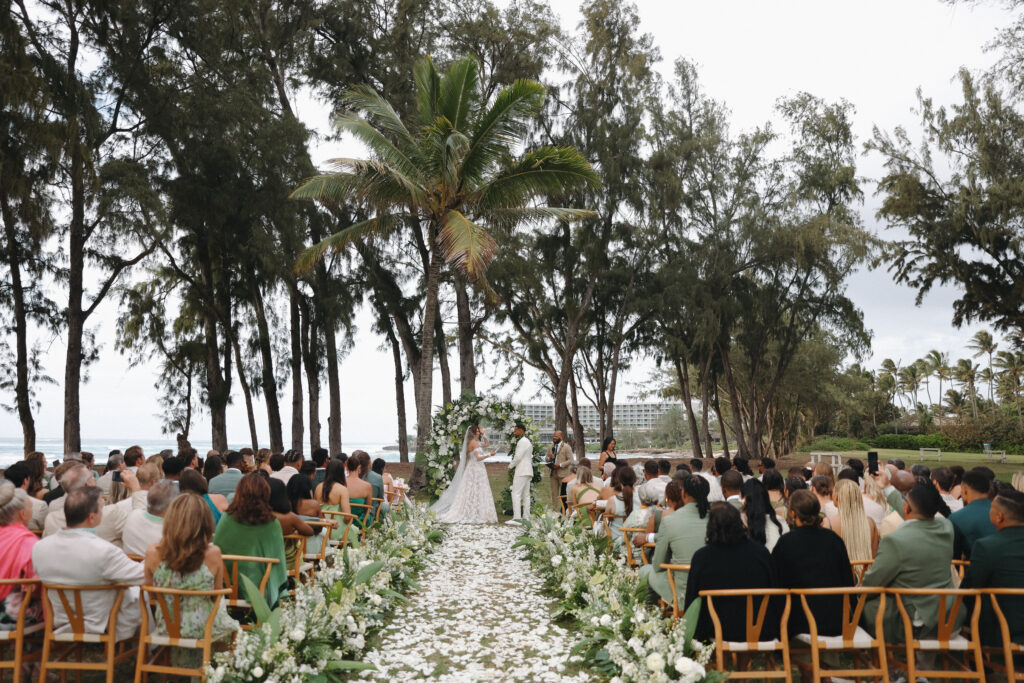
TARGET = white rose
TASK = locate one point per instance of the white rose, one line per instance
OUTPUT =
(606, 620)
(556, 560)
(689, 671)
(257, 672)
(655, 662)
(636, 645)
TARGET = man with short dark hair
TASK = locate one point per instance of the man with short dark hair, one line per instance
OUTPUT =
(897, 463)
(943, 479)
(145, 527)
(226, 482)
(696, 464)
(652, 481)
(292, 463)
(997, 561)
(133, 457)
(732, 485)
(18, 474)
(174, 466)
(276, 463)
(115, 463)
(973, 521)
(319, 457)
(765, 465)
(714, 486)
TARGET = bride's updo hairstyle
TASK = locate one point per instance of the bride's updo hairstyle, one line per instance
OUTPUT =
(627, 480)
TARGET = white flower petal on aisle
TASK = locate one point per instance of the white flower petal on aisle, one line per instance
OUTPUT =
(480, 616)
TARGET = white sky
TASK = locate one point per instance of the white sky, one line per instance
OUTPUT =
(874, 53)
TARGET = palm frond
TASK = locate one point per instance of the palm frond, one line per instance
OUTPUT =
(379, 144)
(465, 245)
(368, 168)
(458, 92)
(500, 126)
(428, 84)
(514, 216)
(379, 226)
(365, 186)
(379, 111)
(455, 147)
(548, 170)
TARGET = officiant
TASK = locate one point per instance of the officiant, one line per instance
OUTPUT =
(559, 458)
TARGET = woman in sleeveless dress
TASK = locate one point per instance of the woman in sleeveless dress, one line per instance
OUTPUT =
(468, 499)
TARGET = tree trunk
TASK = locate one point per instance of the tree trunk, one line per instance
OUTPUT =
(403, 431)
(721, 421)
(75, 314)
(217, 392)
(467, 361)
(441, 342)
(333, 388)
(734, 400)
(579, 442)
(683, 374)
(22, 392)
(705, 406)
(425, 380)
(295, 362)
(267, 379)
(310, 360)
(246, 393)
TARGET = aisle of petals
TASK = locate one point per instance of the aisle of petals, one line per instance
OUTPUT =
(480, 616)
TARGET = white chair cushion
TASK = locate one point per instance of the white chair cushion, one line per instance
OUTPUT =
(29, 630)
(861, 639)
(958, 642)
(760, 646)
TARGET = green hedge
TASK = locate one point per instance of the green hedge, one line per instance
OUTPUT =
(912, 442)
(834, 444)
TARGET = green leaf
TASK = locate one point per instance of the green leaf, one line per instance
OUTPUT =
(255, 597)
(368, 572)
(349, 665)
(690, 622)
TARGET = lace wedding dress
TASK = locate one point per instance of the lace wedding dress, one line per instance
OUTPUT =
(468, 499)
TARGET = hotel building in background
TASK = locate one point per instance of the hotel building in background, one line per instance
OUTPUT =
(628, 416)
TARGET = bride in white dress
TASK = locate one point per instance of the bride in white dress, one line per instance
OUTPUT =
(468, 498)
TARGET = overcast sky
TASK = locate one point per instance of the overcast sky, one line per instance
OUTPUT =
(874, 53)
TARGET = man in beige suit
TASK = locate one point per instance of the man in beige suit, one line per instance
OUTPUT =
(559, 459)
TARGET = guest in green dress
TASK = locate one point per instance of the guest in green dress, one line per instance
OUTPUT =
(186, 560)
(249, 527)
(333, 494)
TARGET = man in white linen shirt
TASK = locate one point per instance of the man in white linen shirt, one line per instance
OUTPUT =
(115, 514)
(143, 528)
(77, 557)
(522, 466)
(115, 463)
(18, 475)
(715, 488)
(654, 482)
(292, 463)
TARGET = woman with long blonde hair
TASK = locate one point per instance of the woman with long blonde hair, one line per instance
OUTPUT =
(857, 530)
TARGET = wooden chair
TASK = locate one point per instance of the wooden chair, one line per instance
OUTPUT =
(585, 513)
(1009, 649)
(319, 559)
(344, 521)
(627, 533)
(233, 585)
(670, 568)
(853, 637)
(947, 638)
(155, 648)
(77, 637)
(379, 502)
(135, 558)
(362, 512)
(960, 568)
(301, 570)
(860, 568)
(16, 637)
(608, 518)
(647, 552)
(754, 626)
(564, 505)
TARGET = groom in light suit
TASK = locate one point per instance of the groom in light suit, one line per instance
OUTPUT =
(522, 465)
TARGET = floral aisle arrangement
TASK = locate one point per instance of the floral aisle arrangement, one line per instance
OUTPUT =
(449, 429)
(623, 636)
(318, 632)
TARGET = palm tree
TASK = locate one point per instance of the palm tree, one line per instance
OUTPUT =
(937, 363)
(1011, 371)
(910, 382)
(983, 343)
(924, 369)
(955, 402)
(444, 179)
(966, 373)
(891, 369)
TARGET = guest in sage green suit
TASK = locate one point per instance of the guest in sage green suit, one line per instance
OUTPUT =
(681, 534)
(918, 554)
(997, 561)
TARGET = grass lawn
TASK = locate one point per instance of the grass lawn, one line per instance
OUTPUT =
(1014, 463)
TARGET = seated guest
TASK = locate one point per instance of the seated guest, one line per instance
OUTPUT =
(78, 476)
(193, 482)
(611, 486)
(958, 480)
(224, 484)
(652, 477)
(300, 495)
(115, 463)
(16, 544)
(290, 522)
(872, 508)
(624, 501)
(184, 559)
(380, 469)
(729, 560)
(681, 533)
(795, 483)
(763, 465)
(822, 487)
(884, 477)
(857, 530)
(742, 465)
(857, 465)
(147, 474)
(875, 503)
(173, 467)
(921, 471)
(133, 458)
(359, 490)
(810, 556)
(823, 469)
(697, 465)
(319, 458)
(638, 519)
(973, 520)
(143, 528)
(916, 555)
(776, 488)
(584, 492)
(732, 488)
(665, 471)
(800, 472)
(292, 461)
(18, 474)
(213, 467)
(76, 556)
(997, 561)
(763, 525)
(943, 478)
(249, 527)
(332, 493)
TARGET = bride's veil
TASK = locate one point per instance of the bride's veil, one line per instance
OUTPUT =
(444, 503)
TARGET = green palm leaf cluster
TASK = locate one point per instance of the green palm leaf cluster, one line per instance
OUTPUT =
(451, 169)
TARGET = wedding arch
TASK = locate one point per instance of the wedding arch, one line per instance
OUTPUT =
(450, 425)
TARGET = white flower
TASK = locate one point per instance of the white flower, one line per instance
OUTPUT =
(257, 672)
(636, 645)
(606, 620)
(689, 671)
(655, 662)
(556, 560)
(298, 635)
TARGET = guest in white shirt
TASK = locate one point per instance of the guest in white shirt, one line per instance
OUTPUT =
(115, 463)
(19, 475)
(115, 514)
(664, 472)
(732, 485)
(943, 479)
(290, 464)
(651, 480)
(143, 528)
(77, 557)
(134, 458)
(75, 476)
(821, 487)
(714, 488)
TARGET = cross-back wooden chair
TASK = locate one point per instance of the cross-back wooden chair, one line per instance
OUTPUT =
(627, 537)
(948, 637)
(563, 502)
(362, 511)
(231, 581)
(76, 637)
(1008, 650)
(960, 568)
(755, 620)
(155, 648)
(344, 520)
(319, 559)
(647, 551)
(22, 632)
(853, 638)
(585, 514)
(860, 568)
(671, 568)
(300, 570)
(378, 505)
(607, 518)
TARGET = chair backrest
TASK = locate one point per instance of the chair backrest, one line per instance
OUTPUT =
(168, 602)
(950, 601)
(325, 537)
(608, 518)
(1000, 612)
(960, 567)
(70, 598)
(670, 569)
(627, 533)
(135, 558)
(345, 521)
(564, 500)
(379, 503)
(362, 513)
(231, 575)
(28, 587)
(299, 542)
(755, 616)
(853, 599)
(860, 568)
